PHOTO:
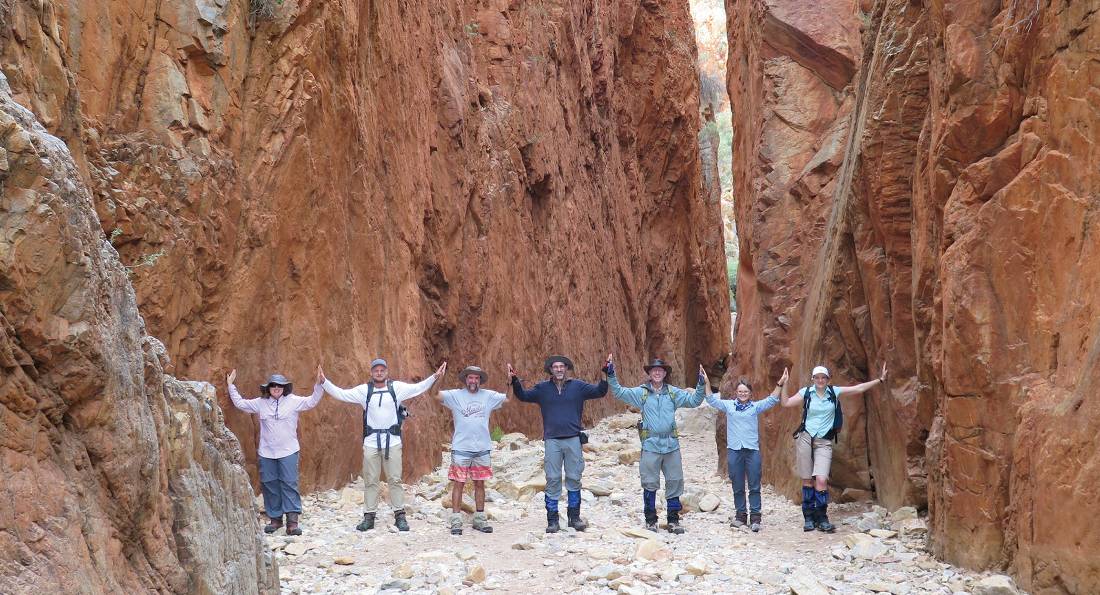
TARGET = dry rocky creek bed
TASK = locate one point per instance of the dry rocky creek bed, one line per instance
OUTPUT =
(873, 550)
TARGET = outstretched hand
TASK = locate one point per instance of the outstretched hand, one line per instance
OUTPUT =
(320, 375)
(882, 377)
(786, 376)
(441, 371)
(511, 373)
(703, 375)
(231, 376)
(609, 365)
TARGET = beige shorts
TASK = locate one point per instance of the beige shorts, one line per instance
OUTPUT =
(813, 460)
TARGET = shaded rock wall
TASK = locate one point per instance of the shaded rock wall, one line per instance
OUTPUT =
(925, 194)
(477, 181)
(117, 477)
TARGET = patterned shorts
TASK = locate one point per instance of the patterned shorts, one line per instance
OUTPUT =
(470, 466)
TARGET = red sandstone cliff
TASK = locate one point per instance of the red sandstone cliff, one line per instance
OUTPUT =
(481, 182)
(916, 184)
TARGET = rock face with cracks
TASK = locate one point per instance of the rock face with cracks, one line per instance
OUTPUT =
(916, 184)
(117, 477)
(337, 180)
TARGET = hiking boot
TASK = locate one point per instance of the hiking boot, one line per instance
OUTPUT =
(456, 523)
(651, 519)
(674, 523)
(809, 509)
(292, 527)
(552, 525)
(821, 520)
(808, 522)
(481, 523)
(367, 523)
(754, 522)
(575, 519)
(273, 524)
(399, 521)
(740, 519)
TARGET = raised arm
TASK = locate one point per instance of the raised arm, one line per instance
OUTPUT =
(406, 391)
(790, 401)
(864, 386)
(686, 397)
(247, 405)
(594, 391)
(527, 396)
(630, 396)
(777, 392)
(346, 395)
(712, 398)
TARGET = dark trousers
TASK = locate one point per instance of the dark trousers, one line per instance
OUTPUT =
(279, 484)
(744, 464)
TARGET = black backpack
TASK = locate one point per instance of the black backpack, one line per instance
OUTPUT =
(402, 412)
(838, 413)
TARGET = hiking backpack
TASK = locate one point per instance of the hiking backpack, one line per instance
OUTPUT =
(402, 412)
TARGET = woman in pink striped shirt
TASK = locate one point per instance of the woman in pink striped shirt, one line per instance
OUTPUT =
(278, 410)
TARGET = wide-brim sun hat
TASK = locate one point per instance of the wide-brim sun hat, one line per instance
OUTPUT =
(820, 370)
(553, 359)
(473, 370)
(658, 363)
(280, 380)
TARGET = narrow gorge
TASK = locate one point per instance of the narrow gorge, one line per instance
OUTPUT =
(194, 186)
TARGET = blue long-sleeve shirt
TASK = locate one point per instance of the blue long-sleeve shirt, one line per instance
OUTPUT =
(658, 411)
(742, 427)
(561, 410)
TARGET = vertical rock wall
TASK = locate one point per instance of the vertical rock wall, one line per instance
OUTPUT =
(477, 181)
(117, 477)
(916, 184)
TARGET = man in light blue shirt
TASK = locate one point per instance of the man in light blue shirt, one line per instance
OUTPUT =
(660, 440)
(743, 458)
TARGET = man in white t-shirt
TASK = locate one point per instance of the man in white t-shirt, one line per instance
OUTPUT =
(471, 443)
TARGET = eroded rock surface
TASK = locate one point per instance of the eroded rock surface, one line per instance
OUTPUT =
(482, 182)
(928, 197)
(117, 477)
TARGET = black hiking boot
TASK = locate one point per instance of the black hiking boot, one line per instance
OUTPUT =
(651, 519)
(367, 523)
(740, 519)
(575, 521)
(674, 523)
(273, 524)
(552, 525)
(754, 522)
(821, 520)
(399, 520)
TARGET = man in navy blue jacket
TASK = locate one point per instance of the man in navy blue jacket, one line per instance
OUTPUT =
(561, 400)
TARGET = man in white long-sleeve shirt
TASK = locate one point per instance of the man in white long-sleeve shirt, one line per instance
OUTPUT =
(383, 413)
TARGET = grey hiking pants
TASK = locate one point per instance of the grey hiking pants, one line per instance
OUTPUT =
(653, 465)
(567, 451)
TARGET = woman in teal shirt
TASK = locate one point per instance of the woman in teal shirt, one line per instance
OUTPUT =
(821, 421)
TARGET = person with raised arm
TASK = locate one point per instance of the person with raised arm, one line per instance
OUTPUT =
(822, 419)
(561, 401)
(471, 444)
(658, 402)
(743, 459)
(383, 414)
(277, 455)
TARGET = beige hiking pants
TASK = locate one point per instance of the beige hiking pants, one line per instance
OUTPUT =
(374, 462)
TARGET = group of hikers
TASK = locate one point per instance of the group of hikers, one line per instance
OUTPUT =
(561, 401)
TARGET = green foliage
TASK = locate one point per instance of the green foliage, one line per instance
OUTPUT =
(472, 29)
(496, 433)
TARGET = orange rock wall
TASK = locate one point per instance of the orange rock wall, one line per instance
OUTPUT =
(479, 181)
(916, 184)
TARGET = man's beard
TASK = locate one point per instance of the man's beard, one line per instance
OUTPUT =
(472, 387)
